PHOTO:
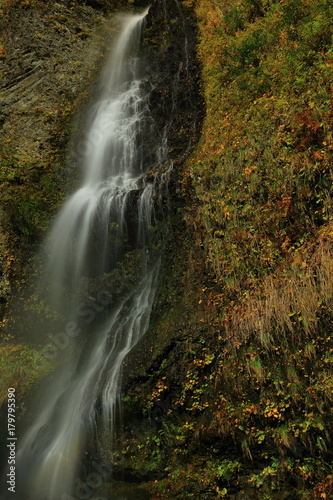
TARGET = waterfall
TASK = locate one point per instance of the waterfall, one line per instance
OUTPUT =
(103, 229)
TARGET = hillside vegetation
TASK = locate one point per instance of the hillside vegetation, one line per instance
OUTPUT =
(262, 177)
(249, 407)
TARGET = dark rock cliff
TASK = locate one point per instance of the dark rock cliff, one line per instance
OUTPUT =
(177, 107)
(48, 54)
(175, 101)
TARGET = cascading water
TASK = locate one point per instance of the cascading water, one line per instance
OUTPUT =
(103, 227)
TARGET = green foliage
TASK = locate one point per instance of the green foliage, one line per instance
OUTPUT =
(257, 174)
(254, 362)
(21, 367)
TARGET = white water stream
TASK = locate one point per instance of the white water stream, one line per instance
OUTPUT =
(89, 239)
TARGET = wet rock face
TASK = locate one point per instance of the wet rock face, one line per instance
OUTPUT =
(175, 101)
(177, 108)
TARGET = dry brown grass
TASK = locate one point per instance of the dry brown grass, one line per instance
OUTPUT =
(285, 303)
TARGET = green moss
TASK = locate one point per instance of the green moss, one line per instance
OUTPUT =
(21, 367)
